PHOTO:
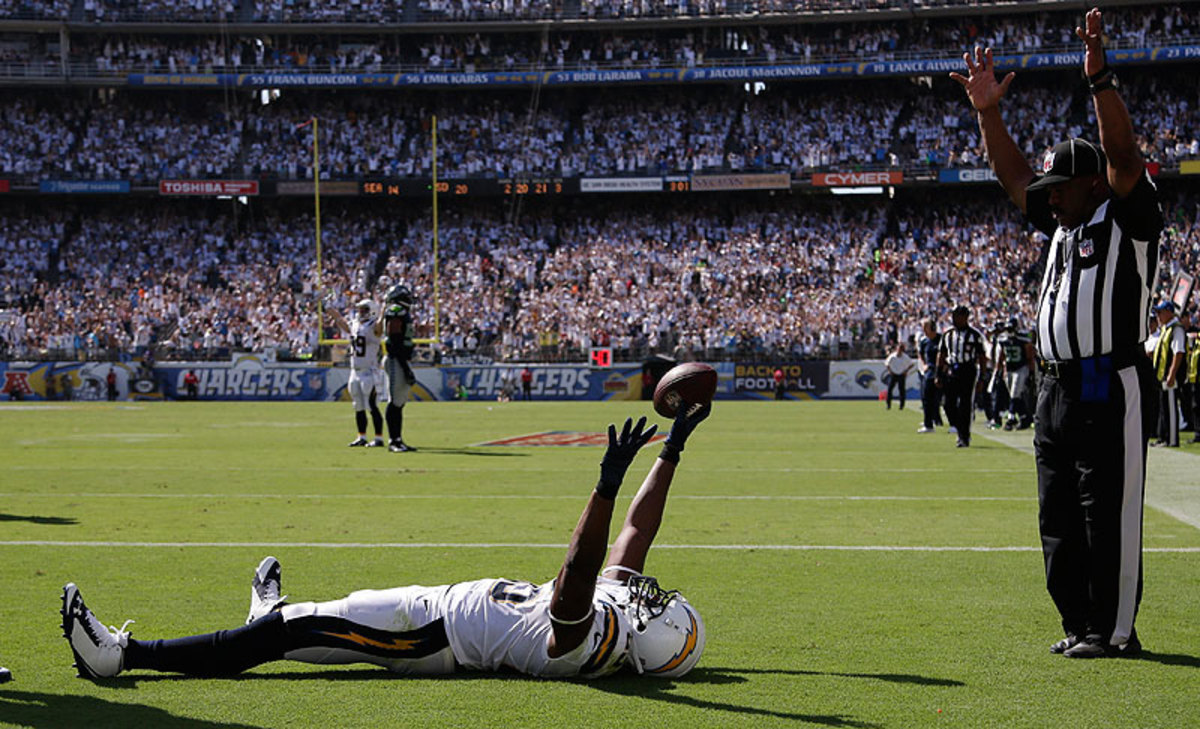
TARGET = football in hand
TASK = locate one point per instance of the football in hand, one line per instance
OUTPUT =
(694, 383)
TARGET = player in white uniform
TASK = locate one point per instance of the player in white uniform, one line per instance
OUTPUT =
(368, 384)
(585, 623)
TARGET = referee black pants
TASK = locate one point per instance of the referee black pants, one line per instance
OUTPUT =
(960, 399)
(1091, 466)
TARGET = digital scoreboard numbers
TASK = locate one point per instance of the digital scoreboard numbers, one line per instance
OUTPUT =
(601, 357)
(533, 187)
(380, 188)
(523, 187)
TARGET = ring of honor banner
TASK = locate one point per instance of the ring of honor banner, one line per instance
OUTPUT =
(914, 67)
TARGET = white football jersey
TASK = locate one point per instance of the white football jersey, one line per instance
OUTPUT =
(497, 623)
(364, 345)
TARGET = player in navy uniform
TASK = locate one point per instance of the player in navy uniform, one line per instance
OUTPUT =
(1016, 362)
(1100, 209)
(585, 623)
(397, 324)
(931, 396)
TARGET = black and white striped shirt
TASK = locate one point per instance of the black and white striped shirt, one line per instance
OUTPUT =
(1095, 296)
(961, 346)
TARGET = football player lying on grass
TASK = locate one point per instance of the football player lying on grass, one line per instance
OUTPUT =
(586, 623)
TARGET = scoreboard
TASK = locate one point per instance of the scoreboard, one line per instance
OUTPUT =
(475, 187)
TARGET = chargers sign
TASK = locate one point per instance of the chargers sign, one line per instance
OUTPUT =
(569, 382)
(248, 378)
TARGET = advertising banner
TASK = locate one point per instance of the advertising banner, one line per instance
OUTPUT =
(208, 187)
(550, 382)
(857, 179)
(756, 379)
(1190, 167)
(4, 186)
(84, 187)
(967, 175)
(621, 184)
(252, 377)
(862, 379)
(771, 181)
(305, 187)
(86, 381)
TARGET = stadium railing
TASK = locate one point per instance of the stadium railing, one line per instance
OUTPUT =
(90, 71)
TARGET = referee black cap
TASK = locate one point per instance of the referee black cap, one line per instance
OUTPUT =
(1069, 160)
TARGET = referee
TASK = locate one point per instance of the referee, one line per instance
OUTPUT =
(1101, 210)
(960, 355)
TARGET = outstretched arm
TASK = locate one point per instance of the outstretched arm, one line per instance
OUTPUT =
(1116, 130)
(645, 513)
(1010, 166)
(338, 319)
(571, 604)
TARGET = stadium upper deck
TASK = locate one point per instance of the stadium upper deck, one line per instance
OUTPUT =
(474, 11)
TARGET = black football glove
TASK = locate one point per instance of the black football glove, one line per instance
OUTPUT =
(620, 453)
(686, 420)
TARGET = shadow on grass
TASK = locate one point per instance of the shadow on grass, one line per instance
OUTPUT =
(24, 708)
(888, 677)
(56, 520)
(660, 690)
(470, 452)
(1169, 659)
(624, 684)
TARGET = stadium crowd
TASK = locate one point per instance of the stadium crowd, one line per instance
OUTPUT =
(374, 11)
(674, 48)
(804, 277)
(792, 127)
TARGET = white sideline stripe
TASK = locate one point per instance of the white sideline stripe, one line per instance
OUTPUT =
(339, 469)
(1172, 477)
(518, 545)
(489, 497)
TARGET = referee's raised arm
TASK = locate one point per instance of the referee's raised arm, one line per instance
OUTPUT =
(1112, 118)
(1004, 156)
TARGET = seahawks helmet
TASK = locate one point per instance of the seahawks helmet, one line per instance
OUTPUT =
(668, 634)
(399, 295)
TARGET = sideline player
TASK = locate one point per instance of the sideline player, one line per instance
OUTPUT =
(1101, 211)
(397, 321)
(367, 382)
(586, 623)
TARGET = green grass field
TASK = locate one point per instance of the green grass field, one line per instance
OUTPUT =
(851, 573)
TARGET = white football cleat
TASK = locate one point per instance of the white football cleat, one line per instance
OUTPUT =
(924, 429)
(99, 651)
(264, 589)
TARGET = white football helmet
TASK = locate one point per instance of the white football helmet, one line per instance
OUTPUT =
(366, 310)
(668, 634)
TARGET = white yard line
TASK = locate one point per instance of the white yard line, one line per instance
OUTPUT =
(433, 469)
(1172, 476)
(518, 545)
(493, 497)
